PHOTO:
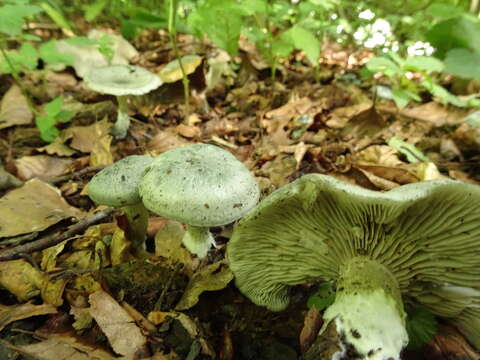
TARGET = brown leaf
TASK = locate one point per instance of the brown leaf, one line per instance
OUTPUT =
(63, 347)
(33, 207)
(9, 314)
(119, 327)
(188, 131)
(164, 141)
(20, 278)
(210, 278)
(14, 109)
(84, 138)
(311, 326)
(42, 166)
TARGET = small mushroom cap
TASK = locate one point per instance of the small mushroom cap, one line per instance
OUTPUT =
(200, 185)
(424, 233)
(120, 80)
(172, 71)
(117, 184)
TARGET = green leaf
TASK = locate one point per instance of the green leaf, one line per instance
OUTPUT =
(281, 47)
(306, 41)
(412, 154)
(105, 47)
(54, 107)
(323, 297)
(254, 6)
(384, 66)
(94, 9)
(443, 94)
(221, 21)
(46, 126)
(444, 11)
(421, 327)
(401, 97)
(26, 58)
(64, 116)
(56, 15)
(424, 63)
(463, 63)
(459, 32)
(49, 53)
(80, 41)
(12, 17)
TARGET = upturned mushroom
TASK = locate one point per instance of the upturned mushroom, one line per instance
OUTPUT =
(121, 81)
(201, 186)
(418, 243)
(117, 186)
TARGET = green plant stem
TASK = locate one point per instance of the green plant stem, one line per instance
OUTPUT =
(172, 32)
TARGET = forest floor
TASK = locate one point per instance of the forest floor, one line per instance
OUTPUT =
(90, 296)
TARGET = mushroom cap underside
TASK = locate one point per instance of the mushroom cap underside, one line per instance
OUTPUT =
(120, 80)
(199, 185)
(424, 233)
(117, 184)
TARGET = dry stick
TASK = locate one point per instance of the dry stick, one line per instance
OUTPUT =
(74, 175)
(52, 240)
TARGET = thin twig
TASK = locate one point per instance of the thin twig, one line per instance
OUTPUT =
(74, 175)
(52, 240)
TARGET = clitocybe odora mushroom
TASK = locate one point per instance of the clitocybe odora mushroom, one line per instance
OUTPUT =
(419, 242)
(121, 81)
(117, 186)
(201, 186)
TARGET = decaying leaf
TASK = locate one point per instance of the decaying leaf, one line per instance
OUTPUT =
(42, 166)
(33, 207)
(14, 109)
(84, 138)
(63, 347)
(168, 244)
(21, 279)
(158, 317)
(9, 314)
(123, 334)
(311, 326)
(211, 278)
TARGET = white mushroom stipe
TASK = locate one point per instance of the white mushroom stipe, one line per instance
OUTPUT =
(369, 322)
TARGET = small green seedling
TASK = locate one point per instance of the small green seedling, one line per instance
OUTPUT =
(52, 115)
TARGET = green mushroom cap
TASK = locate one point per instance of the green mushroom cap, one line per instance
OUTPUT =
(120, 80)
(426, 235)
(117, 184)
(200, 185)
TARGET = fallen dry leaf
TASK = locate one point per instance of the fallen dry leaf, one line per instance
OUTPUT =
(123, 334)
(84, 138)
(311, 326)
(9, 314)
(210, 278)
(14, 109)
(63, 347)
(42, 166)
(165, 140)
(21, 279)
(33, 207)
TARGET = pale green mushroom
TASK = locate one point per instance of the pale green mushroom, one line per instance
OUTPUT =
(121, 81)
(117, 186)
(201, 186)
(418, 243)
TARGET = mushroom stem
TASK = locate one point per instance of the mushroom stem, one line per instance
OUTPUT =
(120, 128)
(198, 240)
(137, 216)
(368, 311)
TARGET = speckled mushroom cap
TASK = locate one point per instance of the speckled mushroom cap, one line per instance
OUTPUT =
(426, 234)
(117, 184)
(200, 185)
(121, 80)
